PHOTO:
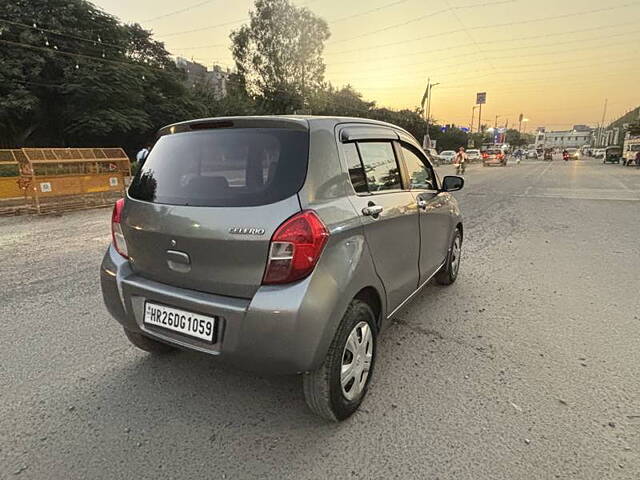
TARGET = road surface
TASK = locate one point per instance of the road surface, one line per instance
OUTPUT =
(527, 368)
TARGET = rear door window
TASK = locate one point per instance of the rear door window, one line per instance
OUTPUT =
(380, 166)
(224, 168)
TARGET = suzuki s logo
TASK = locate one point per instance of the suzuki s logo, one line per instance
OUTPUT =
(173, 243)
(246, 231)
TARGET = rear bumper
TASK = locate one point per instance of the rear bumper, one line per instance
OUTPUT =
(278, 331)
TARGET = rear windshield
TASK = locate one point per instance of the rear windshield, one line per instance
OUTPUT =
(224, 168)
(493, 152)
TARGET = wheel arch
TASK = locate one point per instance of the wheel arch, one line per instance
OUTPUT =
(371, 297)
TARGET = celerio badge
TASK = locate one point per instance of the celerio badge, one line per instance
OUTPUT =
(246, 231)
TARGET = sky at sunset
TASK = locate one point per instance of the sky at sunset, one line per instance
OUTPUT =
(555, 61)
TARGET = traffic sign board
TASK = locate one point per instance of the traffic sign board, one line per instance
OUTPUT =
(481, 98)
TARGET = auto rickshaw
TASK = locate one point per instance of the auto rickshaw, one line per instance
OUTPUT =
(612, 154)
(548, 154)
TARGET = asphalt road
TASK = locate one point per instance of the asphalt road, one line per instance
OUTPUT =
(527, 368)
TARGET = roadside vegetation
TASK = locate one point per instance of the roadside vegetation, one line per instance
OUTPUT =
(74, 75)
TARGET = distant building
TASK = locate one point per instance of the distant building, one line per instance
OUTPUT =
(216, 78)
(577, 137)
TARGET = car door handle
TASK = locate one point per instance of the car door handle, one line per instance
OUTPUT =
(372, 210)
(422, 204)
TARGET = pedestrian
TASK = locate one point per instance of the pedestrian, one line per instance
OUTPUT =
(518, 156)
(461, 161)
(638, 159)
(143, 153)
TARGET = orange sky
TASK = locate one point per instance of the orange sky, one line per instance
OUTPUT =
(553, 61)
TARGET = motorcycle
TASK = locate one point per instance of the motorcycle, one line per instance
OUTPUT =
(565, 156)
(460, 168)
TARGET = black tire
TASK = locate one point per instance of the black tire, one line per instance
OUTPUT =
(322, 388)
(147, 344)
(448, 274)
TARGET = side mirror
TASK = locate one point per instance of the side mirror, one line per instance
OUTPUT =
(452, 183)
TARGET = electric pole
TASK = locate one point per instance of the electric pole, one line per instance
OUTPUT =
(473, 116)
(604, 113)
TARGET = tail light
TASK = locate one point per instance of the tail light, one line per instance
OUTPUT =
(295, 248)
(485, 155)
(116, 229)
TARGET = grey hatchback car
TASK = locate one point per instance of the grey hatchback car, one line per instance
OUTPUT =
(283, 244)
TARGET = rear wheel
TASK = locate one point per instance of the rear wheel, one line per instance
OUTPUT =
(449, 272)
(337, 388)
(147, 344)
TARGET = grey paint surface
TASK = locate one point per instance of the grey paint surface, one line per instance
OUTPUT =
(465, 375)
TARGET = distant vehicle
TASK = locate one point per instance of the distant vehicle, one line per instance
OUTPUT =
(597, 153)
(473, 155)
(494, 156)
(446, 156)
(630, 148)
(574, 153)
(612, 154)
(548, 154)
(532, 154)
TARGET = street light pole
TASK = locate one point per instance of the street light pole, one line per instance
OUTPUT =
(473, 116)
(429, 89)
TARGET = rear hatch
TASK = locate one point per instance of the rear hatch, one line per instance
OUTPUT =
(492, 155)
(202, 209)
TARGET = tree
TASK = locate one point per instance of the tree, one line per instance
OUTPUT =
(515, 138)
(278, 55)
(71, 74)
(345, 102)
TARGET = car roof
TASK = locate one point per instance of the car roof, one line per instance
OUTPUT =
(297, 120)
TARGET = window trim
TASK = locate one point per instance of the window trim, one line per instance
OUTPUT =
(426, 162)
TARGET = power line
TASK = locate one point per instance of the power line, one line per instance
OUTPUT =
(473, 40)
(513, 70)
(373, 10)
(210, 27)
(482, 27)
(97, 42)
(443, 65)
(80, 55)
(490, 42)
(179, 11)
(417, 19)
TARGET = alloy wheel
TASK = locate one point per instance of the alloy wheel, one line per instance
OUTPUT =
(455, 256)
(356, 361)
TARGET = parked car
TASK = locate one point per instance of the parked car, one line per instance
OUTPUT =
(494, 156)
(473, 155)
(532, 154)
(447, 156)
(282, 244)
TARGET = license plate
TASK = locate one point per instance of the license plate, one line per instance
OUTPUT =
(187, 323)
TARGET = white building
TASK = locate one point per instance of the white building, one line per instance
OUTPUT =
(575, 138)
